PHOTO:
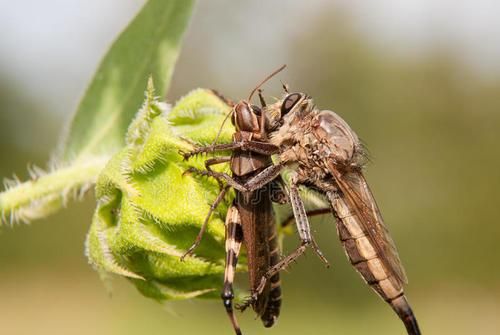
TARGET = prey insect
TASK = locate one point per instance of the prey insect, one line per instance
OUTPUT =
(250, 219)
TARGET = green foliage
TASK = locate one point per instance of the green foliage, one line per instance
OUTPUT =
(149, 46)
(148, 213)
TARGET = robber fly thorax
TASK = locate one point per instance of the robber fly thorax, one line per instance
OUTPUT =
(313, 138)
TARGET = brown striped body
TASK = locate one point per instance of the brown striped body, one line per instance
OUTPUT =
(260, 240)
(256, 213)
(362, 255)
(326, 154)
(250, 219)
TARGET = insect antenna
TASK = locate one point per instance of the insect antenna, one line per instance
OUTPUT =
(285, 87)
(249, 98)
(222, 126)
(266, 79)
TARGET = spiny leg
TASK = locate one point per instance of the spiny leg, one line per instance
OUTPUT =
(263, 148)
(313, 212)
(217, 160)
(219, 176)
(209, 149)
(278, 191)
(303, 226)
(306, 239)
(216, 203)
(254, 183)
(262, 178)
(234, 237)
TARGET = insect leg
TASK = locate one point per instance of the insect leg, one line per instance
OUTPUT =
(262, 148)
(214, 161)
(303, 226)
(219, 176)
(304, 231)
(216, 203)
(278, 193)
(210, 149)
(264, 177)
(234, 237)
(313, 212)
(253, 146)
(217, 160)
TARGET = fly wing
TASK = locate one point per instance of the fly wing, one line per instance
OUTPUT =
(361, 203)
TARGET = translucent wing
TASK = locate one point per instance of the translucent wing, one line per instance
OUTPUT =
(361, 203)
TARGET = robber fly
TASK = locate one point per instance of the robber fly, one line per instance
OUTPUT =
(326, 155)
(250, 219)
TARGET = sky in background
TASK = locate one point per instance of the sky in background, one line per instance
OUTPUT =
(49, 49)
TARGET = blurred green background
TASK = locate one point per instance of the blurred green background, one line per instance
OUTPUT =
(419, 82)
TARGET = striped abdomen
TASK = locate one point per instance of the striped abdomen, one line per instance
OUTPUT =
(273, 307)
(260, 239)
(362, 255)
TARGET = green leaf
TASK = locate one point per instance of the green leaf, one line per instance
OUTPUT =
(149, 46)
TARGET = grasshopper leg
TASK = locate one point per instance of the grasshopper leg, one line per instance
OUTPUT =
(197, 241)
(234, 237)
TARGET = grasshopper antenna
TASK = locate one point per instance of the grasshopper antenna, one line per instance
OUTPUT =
(266, 79)
(275, 72)
(222, 126)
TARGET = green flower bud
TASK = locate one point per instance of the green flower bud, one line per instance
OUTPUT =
(148, 213)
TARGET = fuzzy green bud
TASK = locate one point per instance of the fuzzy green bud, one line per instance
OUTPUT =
(149, 212)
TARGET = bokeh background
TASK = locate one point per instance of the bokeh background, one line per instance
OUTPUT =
(418, 80)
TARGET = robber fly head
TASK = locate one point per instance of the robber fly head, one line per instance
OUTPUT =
(293, 105)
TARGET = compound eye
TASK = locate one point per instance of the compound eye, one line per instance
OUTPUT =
(290, 102)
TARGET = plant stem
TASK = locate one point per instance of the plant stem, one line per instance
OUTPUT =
(48, 192)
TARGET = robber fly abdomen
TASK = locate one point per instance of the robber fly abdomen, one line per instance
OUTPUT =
(363, 256)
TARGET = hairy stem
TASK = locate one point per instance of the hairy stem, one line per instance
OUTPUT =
(47, 192)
